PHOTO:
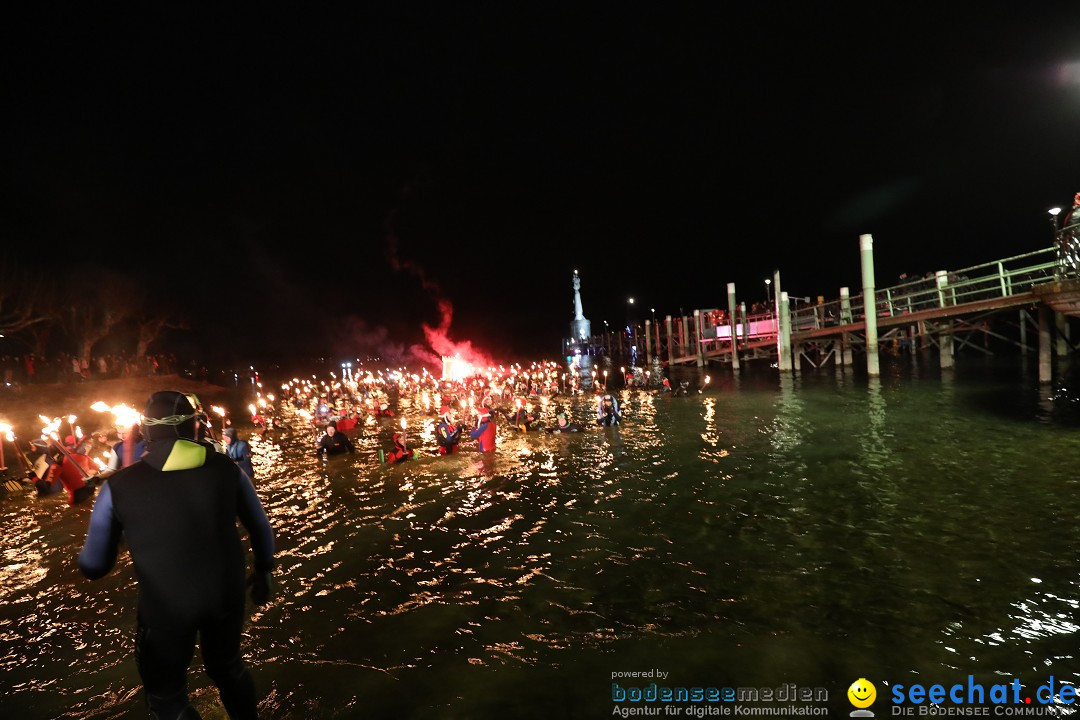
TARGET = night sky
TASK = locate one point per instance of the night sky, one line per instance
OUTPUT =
(311, 182)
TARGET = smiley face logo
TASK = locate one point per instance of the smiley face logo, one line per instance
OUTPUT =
(862, 693)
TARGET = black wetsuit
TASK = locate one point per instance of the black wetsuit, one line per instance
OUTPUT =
(523, 420)
(176, 510)
(610, 418)
(335, 444)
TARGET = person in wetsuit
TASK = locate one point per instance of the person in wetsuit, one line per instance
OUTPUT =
(562, 424)
(176, 511)
(521, 419)
(608, 413)
(238, 451)
(130, 449)
(334, 442)
(446, 433)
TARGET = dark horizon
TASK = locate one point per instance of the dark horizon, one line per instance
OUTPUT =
(270, 173)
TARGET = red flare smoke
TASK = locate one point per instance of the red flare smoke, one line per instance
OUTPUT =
(438, 338)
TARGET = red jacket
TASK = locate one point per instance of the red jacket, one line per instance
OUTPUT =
(485, 434)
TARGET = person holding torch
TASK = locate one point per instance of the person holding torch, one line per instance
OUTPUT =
(401, 450)
(485, 429)
(447, 434)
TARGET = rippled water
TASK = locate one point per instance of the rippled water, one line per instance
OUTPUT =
(811, 530)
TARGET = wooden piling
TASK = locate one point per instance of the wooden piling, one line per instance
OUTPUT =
(845, 319)
(945, 343)
(945, 328)
(648, 344)
(659, 352)
(684, 335)
(697, 339)
(866, 251)
(1061, 333)
(731, 326)
(670, 344)
(1045, 360)
(784, 360)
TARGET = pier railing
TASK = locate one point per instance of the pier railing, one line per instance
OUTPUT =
(1000, 278)
(706, 333)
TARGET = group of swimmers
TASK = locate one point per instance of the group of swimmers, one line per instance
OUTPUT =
(449, 433)
(75, 462)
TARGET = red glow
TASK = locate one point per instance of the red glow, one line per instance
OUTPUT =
(456, 369)
(462, 356)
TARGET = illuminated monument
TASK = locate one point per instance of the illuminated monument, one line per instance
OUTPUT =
(580, 327)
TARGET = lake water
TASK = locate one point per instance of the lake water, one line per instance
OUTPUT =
(809, 530)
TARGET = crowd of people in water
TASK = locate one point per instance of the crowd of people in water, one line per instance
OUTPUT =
(171, 482)
(467, 410)
(63, 457)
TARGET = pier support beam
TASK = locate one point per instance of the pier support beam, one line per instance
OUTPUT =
(1045, 361)
(658, 346)
(745, 325)
(945, 343)
(866, 252)
(731, 327)
(697, 339)
(783, 342)
(1061, 331)
(670, 344)
(648, 344)
(784, 334)
(845, 319)
(684, 338)
(945, 328)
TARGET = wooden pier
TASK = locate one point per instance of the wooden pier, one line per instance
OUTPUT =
(943, 311)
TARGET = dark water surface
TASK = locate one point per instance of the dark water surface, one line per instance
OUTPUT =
(811, 530)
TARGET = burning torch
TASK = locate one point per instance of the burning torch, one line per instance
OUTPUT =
(5, 433)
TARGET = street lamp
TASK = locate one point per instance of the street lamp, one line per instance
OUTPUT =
(631, 301)
(768, 291)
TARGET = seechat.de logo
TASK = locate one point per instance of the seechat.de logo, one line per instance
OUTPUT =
(862, 694)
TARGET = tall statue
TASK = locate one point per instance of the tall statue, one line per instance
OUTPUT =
(580, 327)
(578, 312)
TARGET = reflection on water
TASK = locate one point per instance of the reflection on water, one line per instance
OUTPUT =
(811, 529)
